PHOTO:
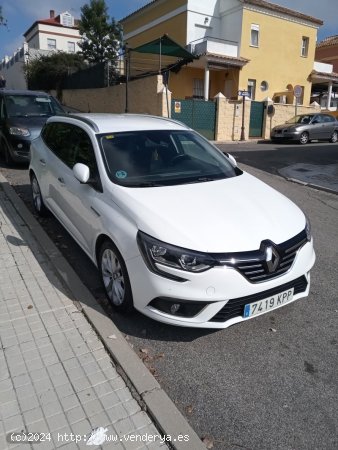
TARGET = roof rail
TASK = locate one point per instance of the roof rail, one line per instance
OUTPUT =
(82, 119)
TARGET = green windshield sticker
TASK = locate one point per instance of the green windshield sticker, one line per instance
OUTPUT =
(111, 136)
(121, 174)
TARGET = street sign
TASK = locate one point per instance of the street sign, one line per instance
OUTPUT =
(177, 107)
(244, 93)
(297, 91)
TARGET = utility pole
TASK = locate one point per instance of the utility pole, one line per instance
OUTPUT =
(127, 78)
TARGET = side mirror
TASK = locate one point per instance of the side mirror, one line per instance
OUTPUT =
(231, 158)
(81, 173)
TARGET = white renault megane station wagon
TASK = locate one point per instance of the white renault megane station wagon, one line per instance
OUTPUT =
(175, 228)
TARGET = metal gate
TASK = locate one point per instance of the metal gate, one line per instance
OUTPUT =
(199, 115)
(256, 119)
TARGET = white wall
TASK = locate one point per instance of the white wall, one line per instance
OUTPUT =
(34, 42)
(61, 34)
(220, 19)
(198, 12)
(38, 37)
(231, 28)
(14, 75)
(323, 67)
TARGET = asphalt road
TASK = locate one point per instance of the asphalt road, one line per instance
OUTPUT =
(272, 157)
(271, 382)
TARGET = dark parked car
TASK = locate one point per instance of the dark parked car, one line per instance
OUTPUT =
(306, 127)
(22, 116)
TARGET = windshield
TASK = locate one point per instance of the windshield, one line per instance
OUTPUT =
(166, 157)
(31, 105)
(305, 118)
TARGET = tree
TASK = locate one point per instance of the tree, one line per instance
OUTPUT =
(101, 37)
(47, 72)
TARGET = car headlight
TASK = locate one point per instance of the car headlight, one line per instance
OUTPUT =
(308, 229)
(157, 253)
(17, 131)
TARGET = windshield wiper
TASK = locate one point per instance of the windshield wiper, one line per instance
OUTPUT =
(204, 179)
(146, 184)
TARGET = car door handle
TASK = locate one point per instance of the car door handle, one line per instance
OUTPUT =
(61, 180)
(43, 162)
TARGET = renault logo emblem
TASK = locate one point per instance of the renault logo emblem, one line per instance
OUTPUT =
(271, 258)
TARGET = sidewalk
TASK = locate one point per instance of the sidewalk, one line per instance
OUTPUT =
(56, 376)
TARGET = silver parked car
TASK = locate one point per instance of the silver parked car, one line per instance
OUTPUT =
(306, 127)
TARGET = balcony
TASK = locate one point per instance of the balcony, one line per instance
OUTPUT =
(214, 46)
(322, 67)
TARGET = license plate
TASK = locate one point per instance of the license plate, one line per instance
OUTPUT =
(267, 304)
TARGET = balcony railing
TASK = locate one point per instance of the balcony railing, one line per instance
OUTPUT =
(322, 67)
(213, 45)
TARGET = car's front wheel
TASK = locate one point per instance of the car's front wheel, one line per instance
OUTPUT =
(304, 138)
(334, 137)
(114, 277)
(38, 202)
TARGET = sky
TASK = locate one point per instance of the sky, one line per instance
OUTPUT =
(21, 14)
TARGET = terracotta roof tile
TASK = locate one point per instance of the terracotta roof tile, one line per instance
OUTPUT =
(262, 3)
(329, 41)
(282, 9)
(333, 76)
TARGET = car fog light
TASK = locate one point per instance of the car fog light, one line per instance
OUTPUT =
(174, 308)
(179, 308)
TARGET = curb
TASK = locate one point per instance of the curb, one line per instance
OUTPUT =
(317, 187)
(144, 387)
(311, 185)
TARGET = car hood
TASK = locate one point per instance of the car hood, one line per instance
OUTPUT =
(34, 124)
(287, 126)
(231, 215)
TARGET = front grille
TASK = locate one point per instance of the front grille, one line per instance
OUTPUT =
(235, 307)
(253, 266)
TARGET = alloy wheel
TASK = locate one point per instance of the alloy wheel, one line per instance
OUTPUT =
(38, 203)
(112, 277)
(334, 137)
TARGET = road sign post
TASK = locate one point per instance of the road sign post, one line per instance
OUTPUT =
(243, 94)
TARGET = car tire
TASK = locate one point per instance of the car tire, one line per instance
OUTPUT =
(37, 200)
(114, 277)
(304, 138)
(334, 137)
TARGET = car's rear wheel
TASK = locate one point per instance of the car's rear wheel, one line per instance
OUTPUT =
(334, 137)
(115, 278)
(38, 203)
(304, 138)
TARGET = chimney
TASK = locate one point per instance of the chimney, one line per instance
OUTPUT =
(52, 13)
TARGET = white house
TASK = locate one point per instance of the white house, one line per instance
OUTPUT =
(57, 33)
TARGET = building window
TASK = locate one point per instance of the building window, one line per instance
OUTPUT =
(71, 47)
(67, 20)
(254, 36)
(252, 89)
(305, 46)
(198, 88)
(51, 44)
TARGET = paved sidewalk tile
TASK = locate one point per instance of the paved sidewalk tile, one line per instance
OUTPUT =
(55, 376)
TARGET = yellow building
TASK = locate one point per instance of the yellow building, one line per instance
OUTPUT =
(250, 45)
